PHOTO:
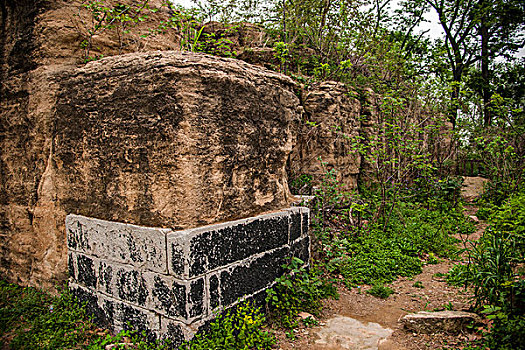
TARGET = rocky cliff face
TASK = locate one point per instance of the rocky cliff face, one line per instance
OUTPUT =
(324, 142)
(160, 139)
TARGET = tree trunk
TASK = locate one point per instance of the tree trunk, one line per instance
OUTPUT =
(484, 31)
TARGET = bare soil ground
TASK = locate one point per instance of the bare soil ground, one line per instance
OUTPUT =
(432, 293)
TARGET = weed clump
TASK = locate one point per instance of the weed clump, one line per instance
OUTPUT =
(380, 291)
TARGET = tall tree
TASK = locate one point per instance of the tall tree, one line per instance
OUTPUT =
(476, 31)
(500, 26)
(460, 43)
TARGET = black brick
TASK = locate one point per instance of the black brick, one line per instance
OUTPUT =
(306, 222)
(244, 280)
(196, 298)
(86, 271)
(71, 265)
(295, 226)
(300, 249)
(177, 259)
(77, 238)
(131, 287)
(174, 334)
(220, 247)
(105, 277)
(214, 292)
(132, 318)
(172, 299)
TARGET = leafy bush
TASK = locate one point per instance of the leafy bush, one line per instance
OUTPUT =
(138, 340)
(238, 328)
(380, 291)
(492, 272)
(298, 290)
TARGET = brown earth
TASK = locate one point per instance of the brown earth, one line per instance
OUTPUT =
(473, 187)
(436, 294)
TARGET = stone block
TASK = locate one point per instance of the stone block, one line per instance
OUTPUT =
(196, 298)
(129, 317)
(106, 275)
(301, 249)
(172, 331)
(178, 264)
(83, 269)
(209, 269)
(247, 279)
(295, 223)
(214, 292)
(71, 265)
(169, 297)
(212, 247)
(102, 310)
(142, 247)
(129, 285)
(439, 322)
(177, 332)
(305, 213)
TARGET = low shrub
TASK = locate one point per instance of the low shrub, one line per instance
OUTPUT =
(33, 319)
(297, 290)
(380, 291)
(238, 328)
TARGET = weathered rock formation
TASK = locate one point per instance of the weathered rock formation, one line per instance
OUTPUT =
(325, 140)
(162, 139)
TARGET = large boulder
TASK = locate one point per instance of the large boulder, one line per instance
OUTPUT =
(326, 137)
(163, 139)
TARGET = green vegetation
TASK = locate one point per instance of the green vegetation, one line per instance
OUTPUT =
(418, 284)
(31, 319)
(297, 290)
(494, 272)
(380, 291)
(240, 328)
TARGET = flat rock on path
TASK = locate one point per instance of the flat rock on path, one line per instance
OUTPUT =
(438, 322)
(347, 333)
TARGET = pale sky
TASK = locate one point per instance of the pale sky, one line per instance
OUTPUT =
(435, 28)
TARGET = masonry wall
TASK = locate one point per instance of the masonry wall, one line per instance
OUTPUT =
(170, 283)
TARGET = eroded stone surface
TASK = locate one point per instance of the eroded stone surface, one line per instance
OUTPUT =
(163, 139)
(334, 116)
(439, 321)
(347, 333)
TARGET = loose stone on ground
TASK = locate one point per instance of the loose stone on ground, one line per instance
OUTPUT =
(348, 333)
(438, 322)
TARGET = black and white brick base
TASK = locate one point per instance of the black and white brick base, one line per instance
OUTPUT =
(170, 283)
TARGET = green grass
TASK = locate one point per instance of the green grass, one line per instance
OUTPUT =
(380, 291)
(33, 319)
(381, 256)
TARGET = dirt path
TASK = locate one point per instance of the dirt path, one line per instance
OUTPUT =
(431, 292)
